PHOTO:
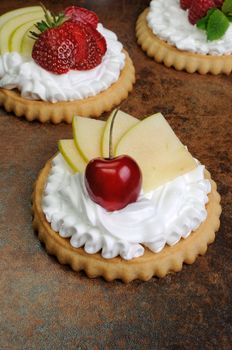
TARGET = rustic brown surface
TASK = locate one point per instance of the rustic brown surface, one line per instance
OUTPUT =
(47, 306)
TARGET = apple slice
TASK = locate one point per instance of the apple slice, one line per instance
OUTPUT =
(12, 24)
(14, 13)
(122, 123)
(87, 134)
(72, 156)
(27, 42)
(16, 39)
(158, 151)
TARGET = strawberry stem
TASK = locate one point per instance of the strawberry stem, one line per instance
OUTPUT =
(111, 155)
(51, 21)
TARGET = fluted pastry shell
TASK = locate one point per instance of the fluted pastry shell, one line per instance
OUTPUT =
(170, 259)
(59, 112)
(170, 56)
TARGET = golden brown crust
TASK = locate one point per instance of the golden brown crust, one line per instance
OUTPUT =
(162, 52)
(64, 111)
(170, 259)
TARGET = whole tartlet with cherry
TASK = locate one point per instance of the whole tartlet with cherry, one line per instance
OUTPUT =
(53, 66)
(191, 35)
(125, 199)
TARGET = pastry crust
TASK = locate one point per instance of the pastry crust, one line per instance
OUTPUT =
(163, 52)
(170, 259)
(64, 111)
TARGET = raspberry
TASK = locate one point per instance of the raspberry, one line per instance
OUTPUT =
(218, 3)
(199, 9)
(185, 4)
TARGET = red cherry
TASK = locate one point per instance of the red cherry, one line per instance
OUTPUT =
(113, 182)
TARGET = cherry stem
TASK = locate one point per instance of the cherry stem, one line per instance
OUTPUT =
(111, 155)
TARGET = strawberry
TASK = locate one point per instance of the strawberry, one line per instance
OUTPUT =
(55, 49)
(95, 49)
(218, 3)
(70, 46)
(199, 9)
(100, 40)
(80, 14)
(65, 44)
(185, 4)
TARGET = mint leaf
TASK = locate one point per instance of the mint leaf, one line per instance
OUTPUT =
(203, 22)
(227, 7)
(217, 25)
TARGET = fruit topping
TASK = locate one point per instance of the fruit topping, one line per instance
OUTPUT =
(199, 9)
(151, 143)
(213, 16)
(72, 156)
(95, 47)
(113, 182)
(185, 4)
(218, 3)
(122, 123)
(56, 48)
(80, 14)
(157, 150)
(216, 25)
(64, 44)
(89, 147)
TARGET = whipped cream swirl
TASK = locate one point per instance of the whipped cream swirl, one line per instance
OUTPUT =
(160, 217)
(169, 22)
(34, 82)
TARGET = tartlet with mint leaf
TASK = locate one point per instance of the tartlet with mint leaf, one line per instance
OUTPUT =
(190, 35)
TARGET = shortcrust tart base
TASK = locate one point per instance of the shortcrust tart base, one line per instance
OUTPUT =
(169, 55)
(59, 112)
(170, 259)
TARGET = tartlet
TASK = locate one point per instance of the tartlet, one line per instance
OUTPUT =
(170, 259)
(64, 111)
(137, 241)
(170, 56)
(55, 66)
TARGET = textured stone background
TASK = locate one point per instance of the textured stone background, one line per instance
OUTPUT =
(44, 305)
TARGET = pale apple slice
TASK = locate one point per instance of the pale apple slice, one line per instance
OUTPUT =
(16, 39)
(12, 24)
(72, 156)
(123, 122)
(27, 42)
(87, 134)
(15, 13)
(157, 150)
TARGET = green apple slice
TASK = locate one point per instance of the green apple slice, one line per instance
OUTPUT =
(87, 134)
(8, 29)
(27, 42)
(14, 13)
(16, 39)
(157, 150)
(123, 122)
(72, 156)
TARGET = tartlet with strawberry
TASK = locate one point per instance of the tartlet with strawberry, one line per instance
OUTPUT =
(191, 35)
(127, 201)
(54, 66)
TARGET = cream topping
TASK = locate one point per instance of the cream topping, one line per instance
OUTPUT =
(160, 217)
(169, 22)
(34, 82)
